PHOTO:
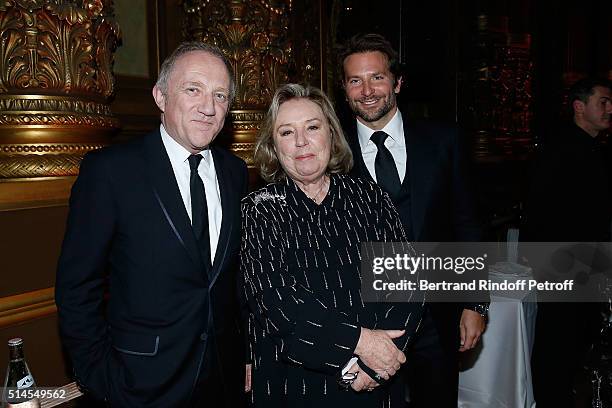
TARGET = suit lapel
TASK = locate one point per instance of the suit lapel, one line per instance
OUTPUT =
(359, 167)
(227, 221)
(168, 195)
(416, 158)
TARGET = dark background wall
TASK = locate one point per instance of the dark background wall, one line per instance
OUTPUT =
(436, 40)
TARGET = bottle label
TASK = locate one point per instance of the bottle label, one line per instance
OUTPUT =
(25, 382)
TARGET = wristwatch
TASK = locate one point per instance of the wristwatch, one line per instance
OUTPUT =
(480, 308)
(346, 380)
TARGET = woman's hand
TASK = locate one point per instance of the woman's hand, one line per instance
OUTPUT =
(377, 350)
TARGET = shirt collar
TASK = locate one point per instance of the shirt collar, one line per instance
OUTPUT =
(178, 154)
(395, 130)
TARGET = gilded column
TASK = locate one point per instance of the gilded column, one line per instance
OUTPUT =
(498, 108)
(254, 36)
(55, 84)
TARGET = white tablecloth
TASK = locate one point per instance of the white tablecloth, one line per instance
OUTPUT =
(497, 374)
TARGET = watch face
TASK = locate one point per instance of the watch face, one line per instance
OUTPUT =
(346, 380)
(349, 376)
(483, 310)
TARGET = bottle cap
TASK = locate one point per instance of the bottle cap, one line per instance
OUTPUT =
(15, 342)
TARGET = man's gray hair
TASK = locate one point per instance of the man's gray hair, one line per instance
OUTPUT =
(187, 47)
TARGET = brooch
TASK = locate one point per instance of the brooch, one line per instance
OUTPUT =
(267, 196)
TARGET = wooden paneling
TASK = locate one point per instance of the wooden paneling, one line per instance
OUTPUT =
(27, 306)
(34, 193)
(31, 242)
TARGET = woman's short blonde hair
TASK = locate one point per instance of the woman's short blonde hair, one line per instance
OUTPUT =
(266, 160)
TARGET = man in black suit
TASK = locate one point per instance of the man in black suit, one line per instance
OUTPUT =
(160, 217)
(570, 200)
(423, 168)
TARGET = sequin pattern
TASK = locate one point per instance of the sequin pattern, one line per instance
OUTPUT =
(301, 267)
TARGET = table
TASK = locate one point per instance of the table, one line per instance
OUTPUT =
(497, 374)
(72, 392)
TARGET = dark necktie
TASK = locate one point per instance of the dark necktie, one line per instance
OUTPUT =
(199, 209)
(386, 172)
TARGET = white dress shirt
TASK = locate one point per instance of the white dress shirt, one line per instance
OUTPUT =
(180, 165)
(396, 143)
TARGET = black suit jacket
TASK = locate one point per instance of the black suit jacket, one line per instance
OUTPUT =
(127, 221)
(570, 197)
(435, 202)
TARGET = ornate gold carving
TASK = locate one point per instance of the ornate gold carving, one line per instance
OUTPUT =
(244, 151)
(42, 160)
(247, 116)
(21, 103)
(57, 45)
(49, 111)
(67, 120)
(14, 166)
(48, 148)
(246, 121)
(253, 34)
(56, 79)
(243, 127)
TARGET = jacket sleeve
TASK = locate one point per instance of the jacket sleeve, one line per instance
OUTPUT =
(244, 307)
(467, 224)
(80, 278)
(307, 331)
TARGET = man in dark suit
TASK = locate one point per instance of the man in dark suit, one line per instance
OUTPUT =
(423, 168)
(160, 217)
(570, 200)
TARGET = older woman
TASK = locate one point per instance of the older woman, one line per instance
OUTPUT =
(300, 258)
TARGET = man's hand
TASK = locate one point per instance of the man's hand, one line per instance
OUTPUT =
(247, 378)
(471, 327)
(363, 382)
(376, 349)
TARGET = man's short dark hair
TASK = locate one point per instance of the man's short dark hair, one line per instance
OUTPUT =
(584, 88)
(361, 43)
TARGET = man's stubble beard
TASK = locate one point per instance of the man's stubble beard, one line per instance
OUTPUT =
(389, 104)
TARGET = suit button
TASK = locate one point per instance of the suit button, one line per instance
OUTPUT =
(203, 336)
